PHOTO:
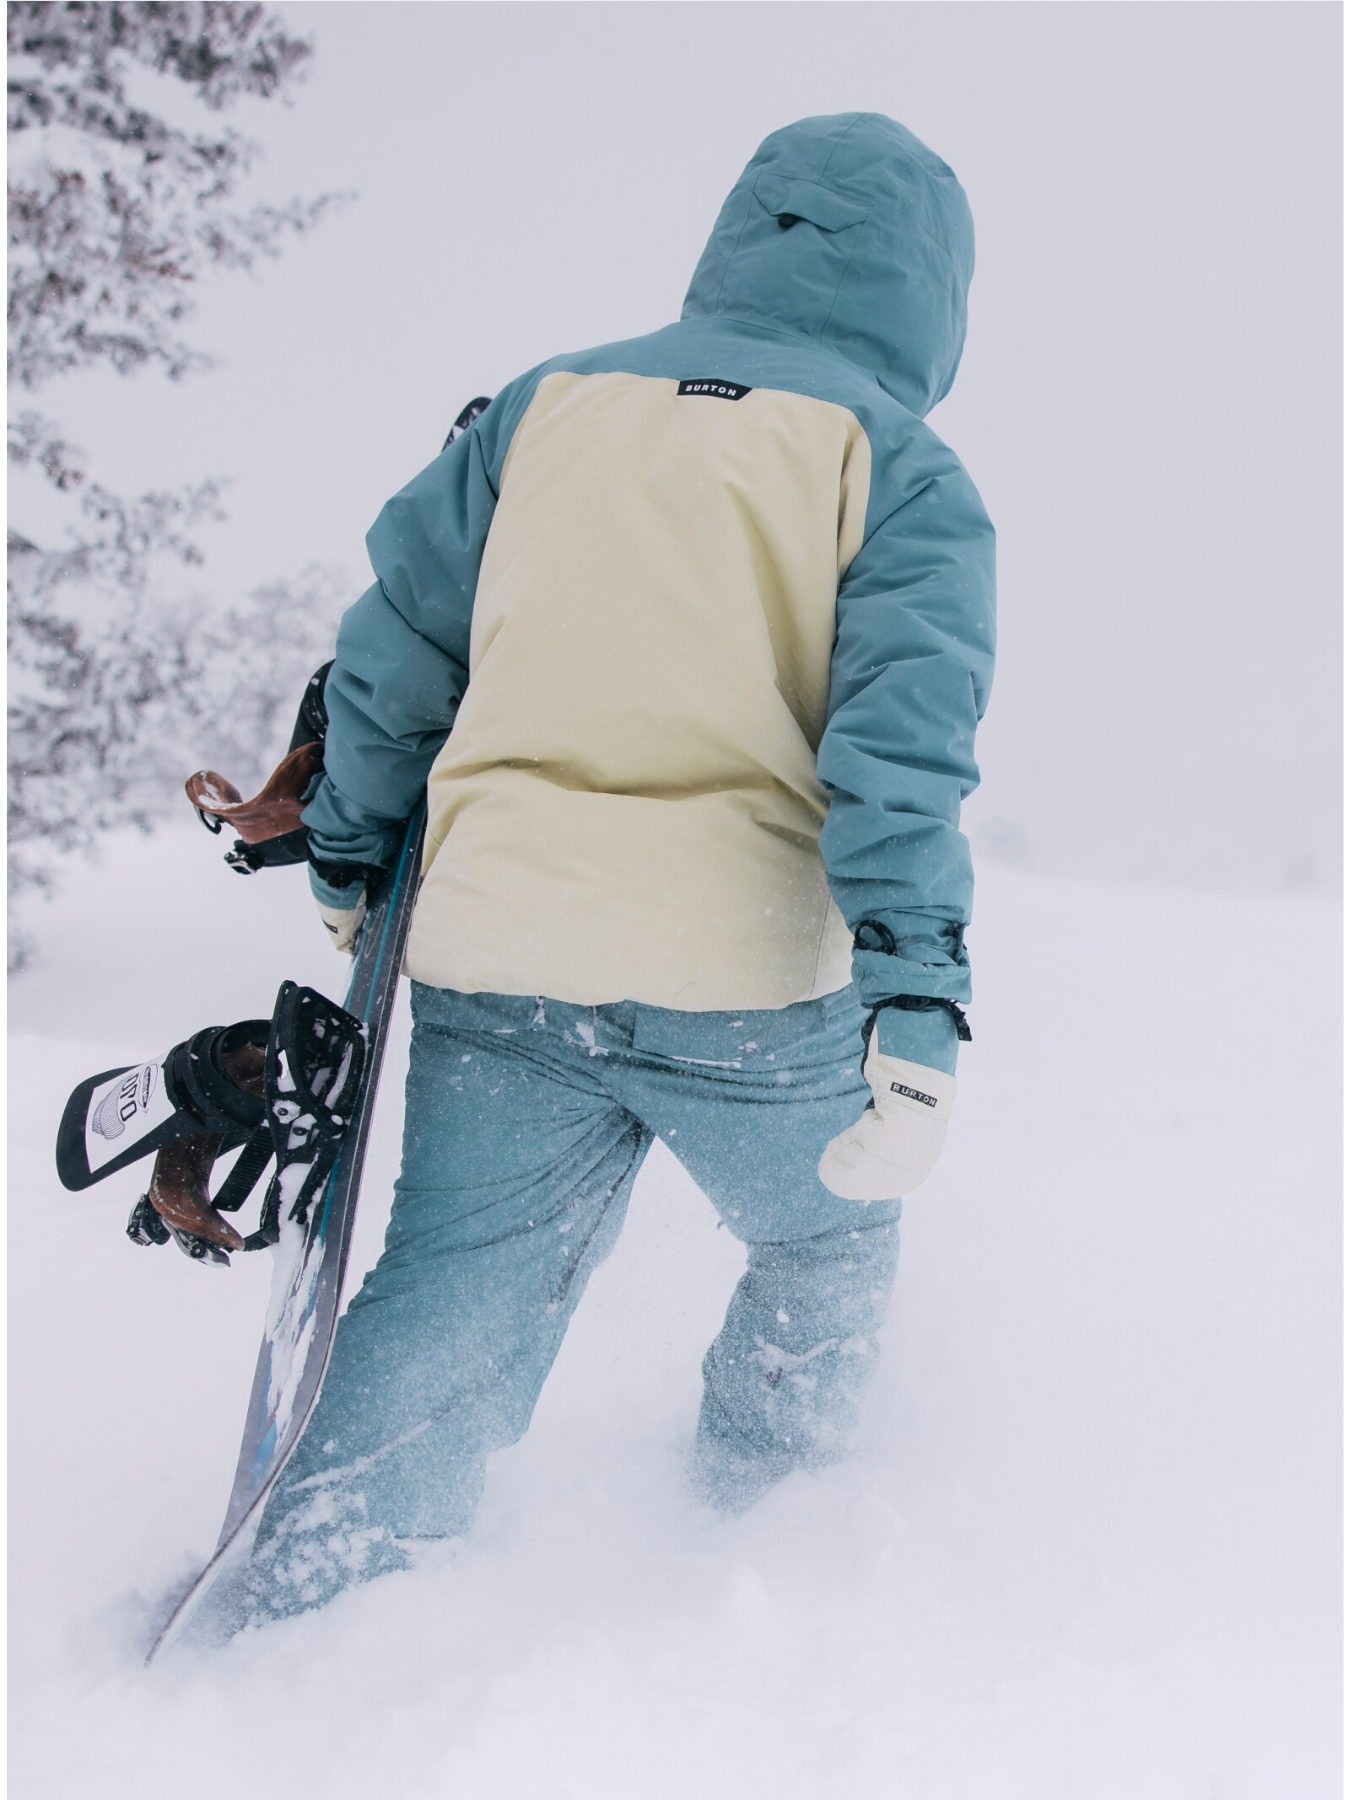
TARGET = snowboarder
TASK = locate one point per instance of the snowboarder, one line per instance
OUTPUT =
(685, 641)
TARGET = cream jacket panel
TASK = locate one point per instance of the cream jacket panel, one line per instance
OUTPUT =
(627, 807)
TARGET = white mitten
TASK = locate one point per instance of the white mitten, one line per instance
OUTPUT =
(342, 924)
(896, 1143)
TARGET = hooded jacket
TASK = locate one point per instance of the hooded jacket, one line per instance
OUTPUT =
(687, 637)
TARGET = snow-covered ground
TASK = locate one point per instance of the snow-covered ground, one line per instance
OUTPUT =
(1088, 1550)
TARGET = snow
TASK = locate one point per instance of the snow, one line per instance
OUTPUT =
(1088, 1547)
(293, 1281)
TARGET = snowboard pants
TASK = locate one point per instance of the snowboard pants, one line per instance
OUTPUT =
(526, 1123)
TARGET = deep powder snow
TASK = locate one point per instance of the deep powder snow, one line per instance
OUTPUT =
(1088, 1545)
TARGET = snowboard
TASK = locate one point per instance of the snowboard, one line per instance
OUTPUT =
(310, 1259)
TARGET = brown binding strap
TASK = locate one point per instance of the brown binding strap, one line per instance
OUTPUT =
(179, 1190)
(179, 1194)
(273, 811)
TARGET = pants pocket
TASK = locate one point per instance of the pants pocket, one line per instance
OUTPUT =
(804, 1034)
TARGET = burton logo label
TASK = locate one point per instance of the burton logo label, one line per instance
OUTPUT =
(913, 1094)
(716, 390)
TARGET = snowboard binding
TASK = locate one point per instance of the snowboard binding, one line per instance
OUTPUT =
(281, 1091)
(270, 832)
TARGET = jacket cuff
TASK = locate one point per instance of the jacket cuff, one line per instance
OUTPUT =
(909, 953)
(340, 832)
(878, 976)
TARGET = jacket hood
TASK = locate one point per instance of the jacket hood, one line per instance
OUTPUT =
(849, 231)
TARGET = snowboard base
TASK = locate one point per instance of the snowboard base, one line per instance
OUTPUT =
(311, 1259)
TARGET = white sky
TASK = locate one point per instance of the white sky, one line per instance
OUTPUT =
(1149, 400)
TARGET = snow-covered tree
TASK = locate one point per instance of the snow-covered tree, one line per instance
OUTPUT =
(114, 211)
(122, 197)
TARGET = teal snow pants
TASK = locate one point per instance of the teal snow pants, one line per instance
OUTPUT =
(526, 1123)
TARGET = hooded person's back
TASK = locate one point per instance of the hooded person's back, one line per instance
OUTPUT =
(711, 614)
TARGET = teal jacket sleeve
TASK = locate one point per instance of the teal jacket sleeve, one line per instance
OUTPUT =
(402, 659)
(909, 682)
